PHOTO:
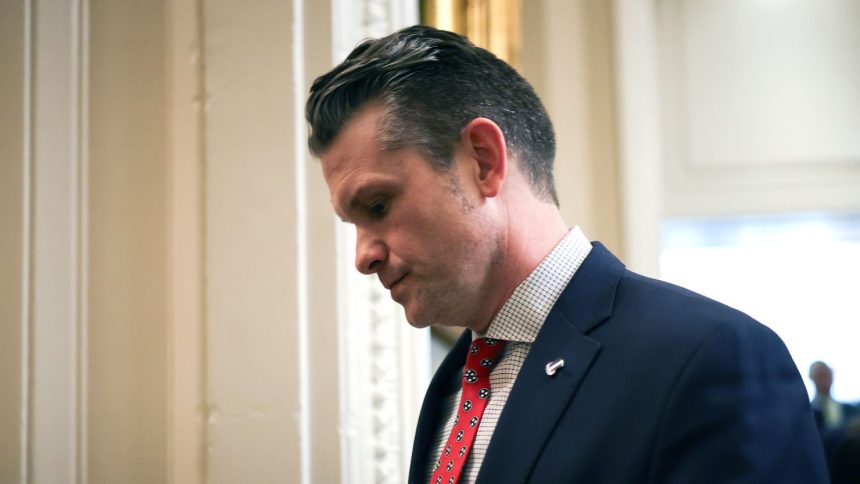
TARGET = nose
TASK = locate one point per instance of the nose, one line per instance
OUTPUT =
(370, 252)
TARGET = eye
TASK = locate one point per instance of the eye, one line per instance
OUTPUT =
(379, 207)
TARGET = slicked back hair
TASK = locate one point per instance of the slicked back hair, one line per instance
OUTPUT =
(431, 83)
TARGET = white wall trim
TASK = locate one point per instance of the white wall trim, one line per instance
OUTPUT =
(57, 432)
(639, 130)
(77, 232)
(384, 362)
(756, 184)
(300, 180)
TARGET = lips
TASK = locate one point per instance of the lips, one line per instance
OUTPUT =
(397, 290)
(394, 283)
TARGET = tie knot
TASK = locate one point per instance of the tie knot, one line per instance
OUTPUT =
(483, 356)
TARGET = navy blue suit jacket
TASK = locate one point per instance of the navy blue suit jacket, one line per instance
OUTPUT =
(659, 385)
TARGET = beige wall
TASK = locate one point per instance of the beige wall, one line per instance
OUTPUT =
(161, 211)
(13, 237)
(186, 345)
(169, 296)
(568, 55)
(250, 243)
(83, 243)
(126, 353)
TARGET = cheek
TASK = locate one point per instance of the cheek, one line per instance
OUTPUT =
(415, 233)
(440, 237)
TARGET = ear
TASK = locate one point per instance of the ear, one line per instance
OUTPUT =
(487, 153)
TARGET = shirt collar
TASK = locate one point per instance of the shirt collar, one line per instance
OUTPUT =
(525, 311)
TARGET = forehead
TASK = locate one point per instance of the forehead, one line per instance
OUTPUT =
(355, 147)
(356, 169)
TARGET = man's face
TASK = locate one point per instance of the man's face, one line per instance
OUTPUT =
(822, 376)
(422, 232)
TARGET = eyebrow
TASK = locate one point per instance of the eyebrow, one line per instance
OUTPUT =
(337, 212)
(365, 190)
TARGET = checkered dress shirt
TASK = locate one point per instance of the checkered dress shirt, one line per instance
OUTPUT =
(518, 323)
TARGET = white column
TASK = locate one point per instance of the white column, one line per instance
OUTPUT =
(57, 265)
(639, 132)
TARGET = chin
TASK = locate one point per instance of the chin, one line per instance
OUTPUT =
(416, 319)
(418, 325)
(417, 322)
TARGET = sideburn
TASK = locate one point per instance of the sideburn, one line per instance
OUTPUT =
(457, 191)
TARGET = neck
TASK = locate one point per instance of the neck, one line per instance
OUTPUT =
(530, 235)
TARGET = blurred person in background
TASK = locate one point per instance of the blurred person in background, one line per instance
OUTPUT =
(829, 414)
(834, 419)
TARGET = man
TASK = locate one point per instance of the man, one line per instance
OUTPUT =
(829, 414)
(832, 417)
(572, 369)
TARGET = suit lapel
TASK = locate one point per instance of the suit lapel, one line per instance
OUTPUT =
(441, 386)
(538, 400)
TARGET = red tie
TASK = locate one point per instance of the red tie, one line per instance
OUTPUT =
(483, 355)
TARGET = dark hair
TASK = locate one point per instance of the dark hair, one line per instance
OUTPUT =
(431, 83)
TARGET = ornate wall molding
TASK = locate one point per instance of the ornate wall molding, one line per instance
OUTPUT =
(384, 362)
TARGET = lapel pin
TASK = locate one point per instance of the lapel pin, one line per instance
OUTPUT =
(554, 366)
